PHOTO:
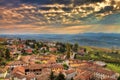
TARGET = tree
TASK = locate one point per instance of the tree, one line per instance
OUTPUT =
(65, 66)
(92, 78)
(118, 78)
(43, 50)
(52, 76)
(7, 54)
(60, 77)
(2, 52)
(72, 78)
(75, 47)
(68, 50)
(97, 54)
(75, 57)
(2, 61)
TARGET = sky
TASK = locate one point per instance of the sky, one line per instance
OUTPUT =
(59, 16)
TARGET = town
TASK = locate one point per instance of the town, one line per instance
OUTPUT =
(46, 60)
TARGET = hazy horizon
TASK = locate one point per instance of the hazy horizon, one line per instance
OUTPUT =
(56, 33)
(87, 39)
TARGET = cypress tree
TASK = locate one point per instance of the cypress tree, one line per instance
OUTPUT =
(7, 54)
(60, 77)
(52, 76)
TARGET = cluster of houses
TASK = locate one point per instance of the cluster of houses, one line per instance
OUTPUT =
(34, 67)
(19, 47)
(40, 66)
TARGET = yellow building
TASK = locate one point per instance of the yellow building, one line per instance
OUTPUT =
(57, 68)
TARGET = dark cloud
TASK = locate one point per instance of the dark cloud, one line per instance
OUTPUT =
(106, 9)
(37, 1)
(66, 15)
(10, 3)
(16, 3)
(70, 16)
(75, 2)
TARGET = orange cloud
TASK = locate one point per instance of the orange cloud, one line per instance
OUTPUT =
(42, 29)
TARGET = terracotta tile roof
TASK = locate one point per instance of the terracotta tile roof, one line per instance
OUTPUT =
(25, 58)
(2, 39)
(53, 49)
(42, 59)
(19, 70)
(104, 71)
(69, 71)
(2, 70)
(96, 68)
(30, 76)
(46, 65)
(35, 66)
(109, 79)
(19, 76)
(28, 50)
(44, 76)
(21, 45)
(16, 63)
(85, 75)
(57, 66)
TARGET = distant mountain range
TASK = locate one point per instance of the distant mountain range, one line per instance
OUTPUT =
(86, 39)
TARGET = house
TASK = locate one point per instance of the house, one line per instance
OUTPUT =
(19, 77)
(42, 60)
(51, 44)
(84, 75)
(57, 68)
(28, 58)
(18, 73)
(21, 46)
(18, 70)
(13, 50)
(62, 57)
(31, 43)
(74, 63)
(98, 71)
(14, 53)
(16, 64)
(25, 59)
(2, 40)
(101, 73)
(2, 73)
(109, 79)
(53, 57)
(82, 51)
(43, 76)
(29, 51)
(47, 59)
(69, 74)
(10, 41)
(100, 63)
(12, 47)
(30, 72)
(43, 48)
(36, 69)
(53, 49)
(31, 76)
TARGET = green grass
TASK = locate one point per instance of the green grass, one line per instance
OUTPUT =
(93, 56)
(114, 67)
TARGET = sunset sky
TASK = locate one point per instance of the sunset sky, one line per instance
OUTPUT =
(59, 16)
